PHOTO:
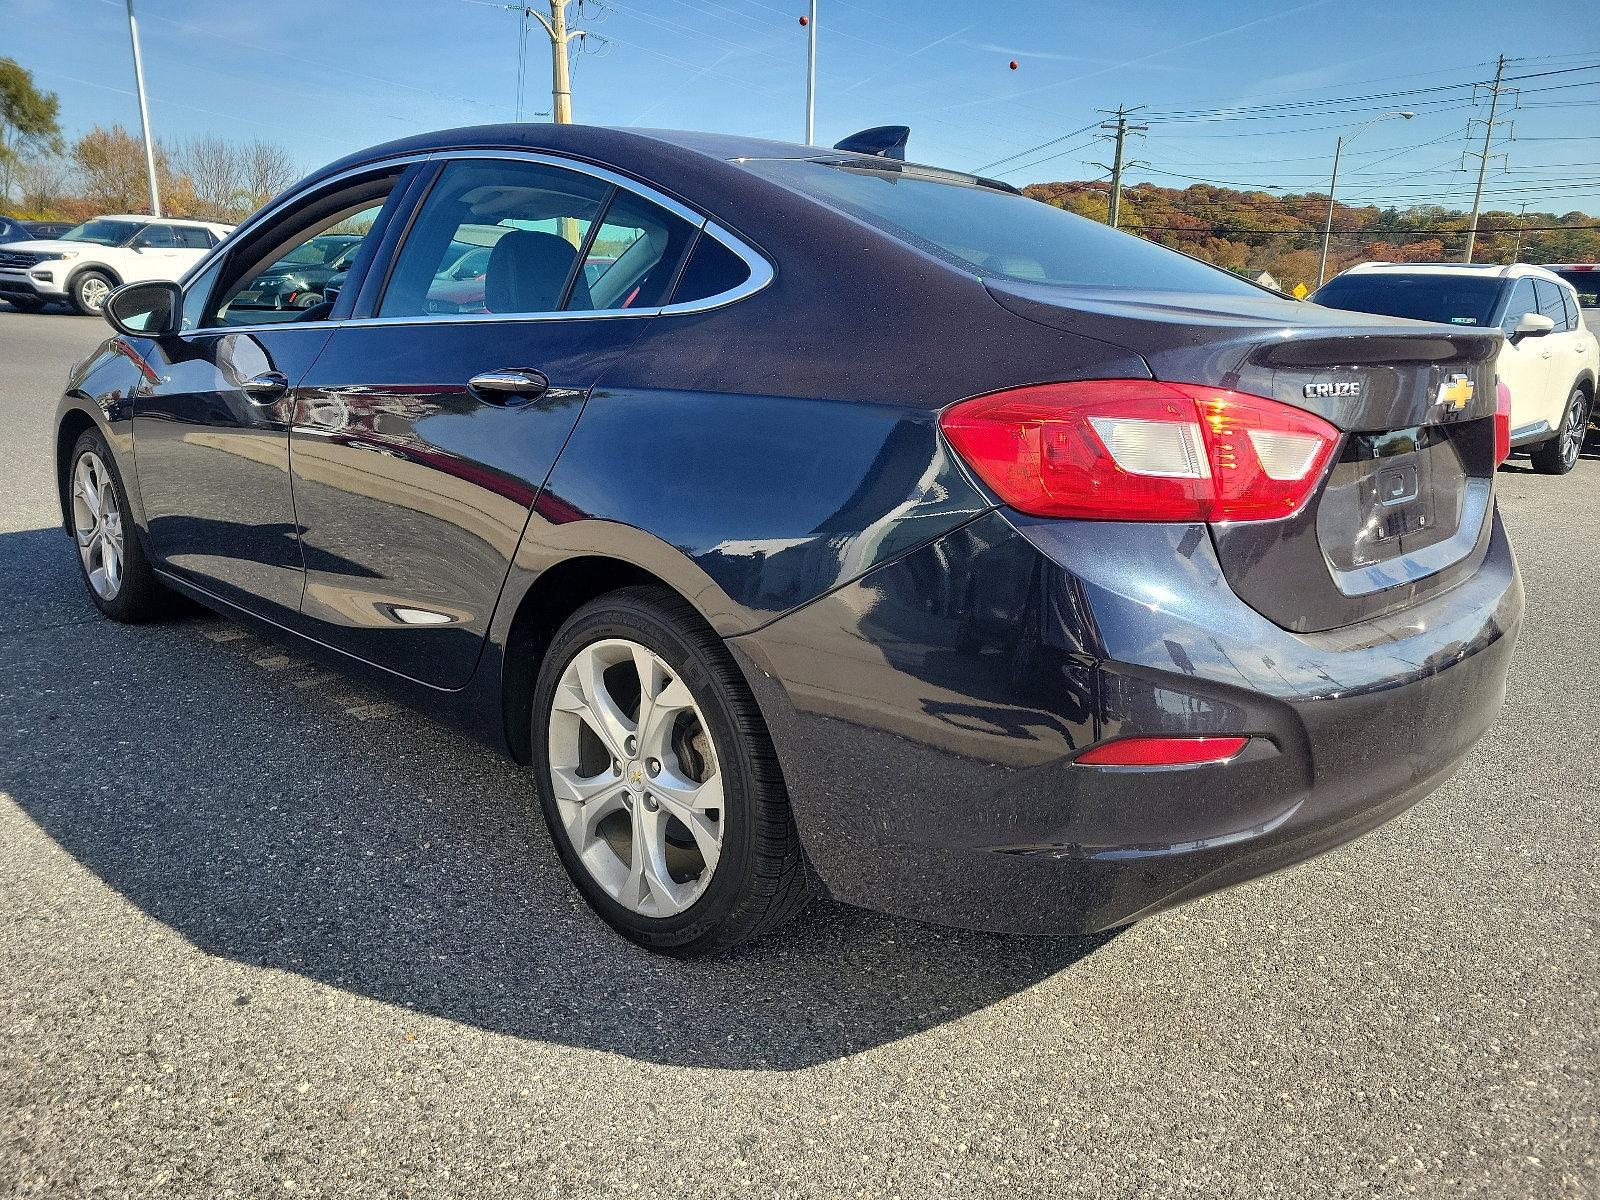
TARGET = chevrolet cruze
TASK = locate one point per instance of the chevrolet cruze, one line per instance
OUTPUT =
(811, 520)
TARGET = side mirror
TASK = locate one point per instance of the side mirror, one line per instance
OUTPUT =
(152, 309)
(1533, 325)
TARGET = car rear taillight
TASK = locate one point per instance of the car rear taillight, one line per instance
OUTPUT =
(1162, 751)
(1139, 450)
(1502, 423)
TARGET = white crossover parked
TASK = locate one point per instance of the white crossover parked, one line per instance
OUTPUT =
(1549, 360)
(83, 265)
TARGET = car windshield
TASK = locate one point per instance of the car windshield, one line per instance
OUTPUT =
(995, 232)
(1587, 284)
(1422, 296)
(102, 232)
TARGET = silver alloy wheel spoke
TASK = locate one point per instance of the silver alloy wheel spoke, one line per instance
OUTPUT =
(97, 525)
(647, 822)
(1575, 429)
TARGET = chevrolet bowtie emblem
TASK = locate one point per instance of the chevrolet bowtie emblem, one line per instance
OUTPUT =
(1455, 393)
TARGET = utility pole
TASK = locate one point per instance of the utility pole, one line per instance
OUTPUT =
(144, 115)
(1333, 184)
(1522, 224)
(1118, 131)
(811, 76)
(555, 26)
(1483, 158)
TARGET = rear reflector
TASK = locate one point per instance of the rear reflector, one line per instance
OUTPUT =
(1162, 751)
(1502, 423)
(1139, 450)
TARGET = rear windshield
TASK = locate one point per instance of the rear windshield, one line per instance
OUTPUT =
(1587, 284)
(994, 232)
(1450, 299)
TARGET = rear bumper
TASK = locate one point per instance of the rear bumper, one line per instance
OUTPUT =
(927, 716)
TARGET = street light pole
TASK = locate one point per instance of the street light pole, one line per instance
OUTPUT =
(1338, 148)
(144, 115)
(811, 76)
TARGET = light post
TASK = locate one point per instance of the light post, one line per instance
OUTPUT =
(1338, 148)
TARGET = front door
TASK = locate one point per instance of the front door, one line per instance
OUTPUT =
(1524, 367)
(211, 428)
(425, 430)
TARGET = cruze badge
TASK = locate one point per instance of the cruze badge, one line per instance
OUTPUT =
(1320, 391)
(1455, 393)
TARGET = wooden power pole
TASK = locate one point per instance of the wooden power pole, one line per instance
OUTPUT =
(555, 26)
(1484, 156)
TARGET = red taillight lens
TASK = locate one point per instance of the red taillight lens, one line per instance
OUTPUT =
(1162, 751)
(1138, 450)
(1502, 423)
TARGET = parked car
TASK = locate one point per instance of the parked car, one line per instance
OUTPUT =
(84, 264)
(863, 525)
(1549, 359)
(14, 229)
(302, 278)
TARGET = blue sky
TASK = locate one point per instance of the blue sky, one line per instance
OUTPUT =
(324, 77)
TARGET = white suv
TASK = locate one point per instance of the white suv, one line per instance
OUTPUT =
(1549, 360)
(83, 265)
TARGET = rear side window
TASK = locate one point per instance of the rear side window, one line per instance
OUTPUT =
(712, 269)
(633, 256)
(1550, 302)
(192, 237)
(993, 232)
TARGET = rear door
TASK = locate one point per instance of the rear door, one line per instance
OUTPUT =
(426, 427)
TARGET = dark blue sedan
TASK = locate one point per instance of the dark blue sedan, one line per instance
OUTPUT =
(811, 520)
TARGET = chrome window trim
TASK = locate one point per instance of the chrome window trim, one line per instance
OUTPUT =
(761, 270)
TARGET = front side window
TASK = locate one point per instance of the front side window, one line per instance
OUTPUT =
(103, 232)
(305, 273)
(993, 232)
(1522, 302)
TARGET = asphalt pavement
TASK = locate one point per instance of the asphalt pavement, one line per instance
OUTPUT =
(264, 934)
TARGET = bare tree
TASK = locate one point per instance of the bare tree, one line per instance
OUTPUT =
(267, 170)
(216, 178)
(43, 181)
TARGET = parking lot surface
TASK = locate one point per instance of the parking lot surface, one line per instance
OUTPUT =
(263, 933)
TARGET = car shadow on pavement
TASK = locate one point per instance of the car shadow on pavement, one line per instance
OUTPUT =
(276, 814)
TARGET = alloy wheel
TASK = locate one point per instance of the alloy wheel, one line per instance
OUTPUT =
(97, 525)
(93, 291)
(1572, 434)
(635, 777)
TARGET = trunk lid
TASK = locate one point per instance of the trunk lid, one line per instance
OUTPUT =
(1406, 508)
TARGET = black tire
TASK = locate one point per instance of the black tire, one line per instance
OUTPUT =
(140, 597)
(761, 879)
(89, 281)
(27, 304)
(1560, 453)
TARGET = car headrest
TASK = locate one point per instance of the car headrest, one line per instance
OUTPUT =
(527, 270)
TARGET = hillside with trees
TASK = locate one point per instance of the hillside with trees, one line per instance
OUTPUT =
(1251, 232)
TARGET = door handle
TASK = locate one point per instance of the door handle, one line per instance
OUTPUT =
(265, 387)
(509, 385)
